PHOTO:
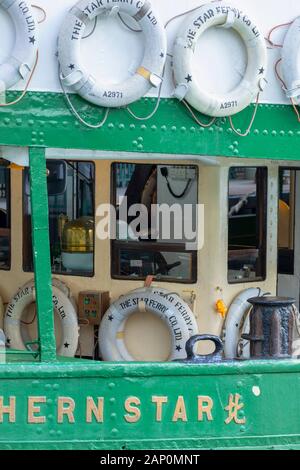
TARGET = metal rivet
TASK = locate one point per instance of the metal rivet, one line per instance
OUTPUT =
(256, 391)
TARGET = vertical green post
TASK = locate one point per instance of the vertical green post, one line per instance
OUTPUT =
(41, 252)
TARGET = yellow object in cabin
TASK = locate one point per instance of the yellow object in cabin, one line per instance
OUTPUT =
(78, 236)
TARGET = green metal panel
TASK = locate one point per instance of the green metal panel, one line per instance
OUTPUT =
(43, 119)
(266, 419)
(41, 253)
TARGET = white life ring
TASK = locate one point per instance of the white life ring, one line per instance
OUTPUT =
(23, 56)
(235, 315)
(167, 306)
(61, 303)
(79, 79)
(290, 61)
(187, 86)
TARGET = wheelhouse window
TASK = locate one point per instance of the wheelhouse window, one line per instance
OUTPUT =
(71, 188)
(286, 220)
(5, 228)
(156, 222)
(247, 224)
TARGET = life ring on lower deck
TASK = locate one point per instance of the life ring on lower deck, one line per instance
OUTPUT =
(63, 305)
(234, 320)
(162, 303)
(291, 63)
(78, 78)
(23, 56)
(187, 86)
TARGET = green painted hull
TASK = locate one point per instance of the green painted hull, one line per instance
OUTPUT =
(270, 420)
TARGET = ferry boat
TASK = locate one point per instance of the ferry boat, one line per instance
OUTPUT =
(149, 228)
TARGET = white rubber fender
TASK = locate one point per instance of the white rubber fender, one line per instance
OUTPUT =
(79, 79)
(187, 86)
(22, 59)
(61, 303)
(170, 308)
(236, 312)
(290, 61)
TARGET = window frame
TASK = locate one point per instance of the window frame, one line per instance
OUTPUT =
(117, 245)
(262, 226)
(92, 274)
(289, 250)
(8, 229)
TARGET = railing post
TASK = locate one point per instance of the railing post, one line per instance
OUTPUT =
(41, 253)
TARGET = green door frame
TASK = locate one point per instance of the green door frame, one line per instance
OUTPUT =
(41, 253)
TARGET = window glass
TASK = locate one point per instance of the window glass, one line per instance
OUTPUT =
(71, 218)
(286, 221)
(4, 216)
(247, 224)
(156, 212)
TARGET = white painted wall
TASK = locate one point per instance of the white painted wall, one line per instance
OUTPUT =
(113, 50)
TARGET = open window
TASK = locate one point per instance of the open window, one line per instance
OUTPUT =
(5, 223)
(247, 224)
(71, 218)
(156, 222)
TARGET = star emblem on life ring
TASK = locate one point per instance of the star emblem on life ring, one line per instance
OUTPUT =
(32, 40)
(189, 78)
(261, 71)
(178, 348)
(162, 55)
(71, 66)
(66, 345)
(110, 318)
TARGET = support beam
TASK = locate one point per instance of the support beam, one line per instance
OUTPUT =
(41, 253)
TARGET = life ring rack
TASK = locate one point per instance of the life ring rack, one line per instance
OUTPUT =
(187, 86)
(75, 76)
(24, 54)
(64, 305)
(168, 306)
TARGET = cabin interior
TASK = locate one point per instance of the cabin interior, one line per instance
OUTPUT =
(250, 232)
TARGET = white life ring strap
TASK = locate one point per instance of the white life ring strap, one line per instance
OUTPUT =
(294, 91)
(153, 78)
(80, 15)
(143, 12)
(230, 20)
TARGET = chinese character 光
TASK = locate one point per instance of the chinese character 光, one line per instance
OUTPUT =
(233, 407)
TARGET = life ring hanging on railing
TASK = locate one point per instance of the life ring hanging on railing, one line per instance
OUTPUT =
(167, 306)
(187, 86)
(23, 57)
(290, 62)
(78, 78)
(63, 305)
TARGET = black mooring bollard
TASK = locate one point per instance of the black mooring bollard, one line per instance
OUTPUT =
(271, 327)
